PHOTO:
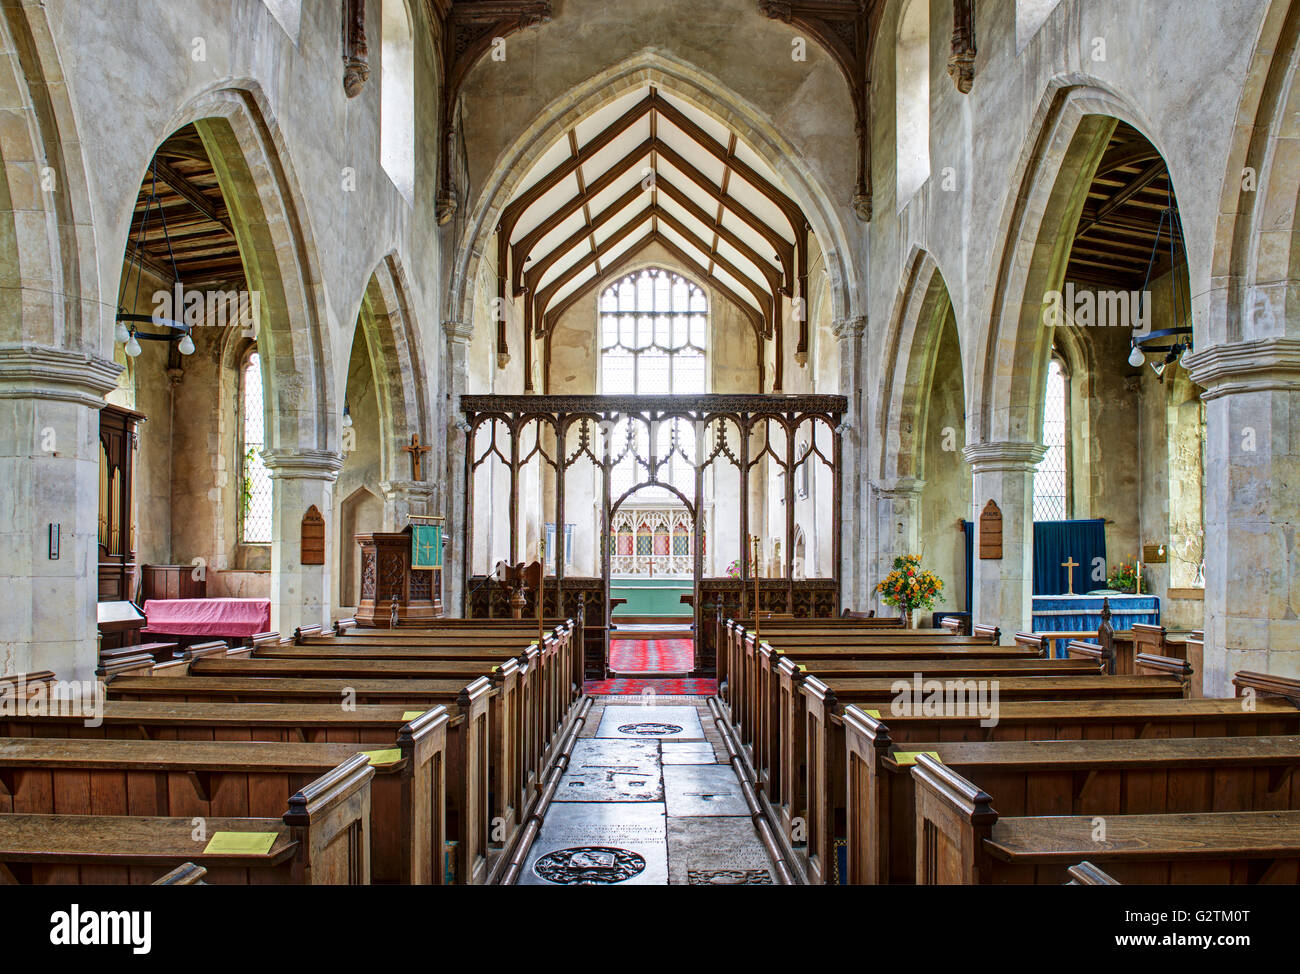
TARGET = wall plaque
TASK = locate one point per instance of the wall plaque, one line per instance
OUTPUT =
(991, 531)
(313, 538)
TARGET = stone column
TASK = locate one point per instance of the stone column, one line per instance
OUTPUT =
(855, 586)
(301, 595)
(1252, 508)
(896, 525)
(403, 498)
(1002, 590)
(49, 474)
(458, 335)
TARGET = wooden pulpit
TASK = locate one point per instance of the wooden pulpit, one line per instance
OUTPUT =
(387, 574)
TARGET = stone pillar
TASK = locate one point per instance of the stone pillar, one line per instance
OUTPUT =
(896, 525)
(403, 498)
(458, 335)
(1252, 508)
(1002, 590)
(49, 474)
(855, 586)
(301, 595)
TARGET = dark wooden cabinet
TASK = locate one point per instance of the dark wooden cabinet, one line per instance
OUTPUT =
(117, 445)
(171, 582)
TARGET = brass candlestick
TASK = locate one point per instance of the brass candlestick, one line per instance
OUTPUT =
(541, 593)
(754, 548)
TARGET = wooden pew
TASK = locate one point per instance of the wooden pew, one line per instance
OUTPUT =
(323, 838)
(769, 696)
(1152, 800)
(421, 738)
(468, 733)
(509, 723)
(874, 813)
(823, 742)
(1086, 874)
(186, 874)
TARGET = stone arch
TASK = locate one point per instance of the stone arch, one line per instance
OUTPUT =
(392, 339)
(703, 91)
(360, 512)
(1255, 272)
(279, 253)
(911, 344)
(1056, 166)
(49, 282)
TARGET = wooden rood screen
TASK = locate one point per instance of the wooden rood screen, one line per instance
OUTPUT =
(712, 455)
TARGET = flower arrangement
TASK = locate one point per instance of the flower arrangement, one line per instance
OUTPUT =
(907, 587)
(733, 570)
(1123, 578)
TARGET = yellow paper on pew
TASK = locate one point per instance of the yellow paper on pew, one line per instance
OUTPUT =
(495, 668)
(905, 758)
(802, 668)
(413, 714)
(240, 843)
(875, 714)
(387, 756)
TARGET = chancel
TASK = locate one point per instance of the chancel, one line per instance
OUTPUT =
(514, 442)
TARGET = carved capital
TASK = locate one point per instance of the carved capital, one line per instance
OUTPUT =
(1004, 455)
(849, 328)
(458, 331)
(1262, 365)
(39, 372)
(303, 465)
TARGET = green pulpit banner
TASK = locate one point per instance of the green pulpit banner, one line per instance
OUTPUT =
(426, 544)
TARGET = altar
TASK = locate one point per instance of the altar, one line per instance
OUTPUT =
(1082, 613)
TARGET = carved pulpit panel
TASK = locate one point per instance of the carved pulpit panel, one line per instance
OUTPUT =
(991, 532)
(387, 576)
(313, 538)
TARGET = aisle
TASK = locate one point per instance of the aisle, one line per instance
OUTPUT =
(648, 799)
(638, 657)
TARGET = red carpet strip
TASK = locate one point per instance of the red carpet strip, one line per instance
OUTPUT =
(687, 686)
(652, 655)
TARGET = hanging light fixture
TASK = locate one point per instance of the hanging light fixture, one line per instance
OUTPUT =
(1180, 335)
(128, 327)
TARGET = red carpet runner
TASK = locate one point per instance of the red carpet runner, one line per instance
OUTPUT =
(634, 656)
(690, 686)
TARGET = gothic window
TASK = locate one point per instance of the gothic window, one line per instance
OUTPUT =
(912, 99)
(397, 97)
(653, 325)
(255, 480)
(1051, 493)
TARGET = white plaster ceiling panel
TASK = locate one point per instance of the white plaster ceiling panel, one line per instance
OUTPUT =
(567, 227)
(690, 150)
(603, 118)
(549, 160)
(570, 257)
(550, 201)
(629, 179)
(746, 233)
(761, 206)
(582, 278)
(736, 288)
(704, 120)
(629, 214)
(607, 157)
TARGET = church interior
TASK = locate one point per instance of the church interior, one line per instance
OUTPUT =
(664, 442)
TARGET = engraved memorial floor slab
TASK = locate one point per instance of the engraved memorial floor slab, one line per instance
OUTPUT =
(716, 851)
(612, 770)
(651, 723)
(688, 752)
(600, 844)
(703, 790)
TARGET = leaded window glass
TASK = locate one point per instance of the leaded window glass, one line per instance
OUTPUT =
(1050, 495)
(255, 479)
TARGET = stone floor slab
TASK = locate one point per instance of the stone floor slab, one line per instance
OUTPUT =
(703, 790)
(688, 752)
(716, 851)
(651, 723)
(600, 843)
(612, 770)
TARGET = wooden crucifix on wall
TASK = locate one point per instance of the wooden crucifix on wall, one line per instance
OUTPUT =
(416, 451)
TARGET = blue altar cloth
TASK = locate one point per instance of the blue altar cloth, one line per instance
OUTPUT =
(1075, 613)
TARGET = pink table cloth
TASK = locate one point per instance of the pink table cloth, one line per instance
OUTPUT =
(208, 617)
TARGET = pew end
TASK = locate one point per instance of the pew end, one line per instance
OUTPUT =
(330, 818)
(1267, 685)
(1149, 664)
(1086, 874)
(992, 633)
(1034, 641)
(186, 874)
(1077, 649)
(953, 818)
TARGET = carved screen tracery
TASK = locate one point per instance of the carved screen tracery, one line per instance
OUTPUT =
(651, 541)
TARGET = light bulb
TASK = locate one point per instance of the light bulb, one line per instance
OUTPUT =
(120, 333)
(1136, 358)
(186, 345)
(132, 346)
(347, 418)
